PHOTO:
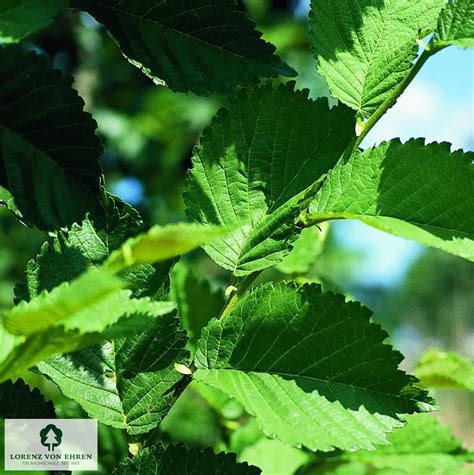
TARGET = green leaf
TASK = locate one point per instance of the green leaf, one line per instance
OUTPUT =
(49, 169)
(310, 367)
(416, 191)
(88, 310)
(193, 46)
(20, 18)
(271, 455)
(84, 245)
(456, 25)
(424, 445)
(161, 243)
(63, 259)
(274, 457)
(89, 376)
(193, 421)
(254, 166)
(364, 48)
(18, 401)
(135, 376)
(306, 250)
(197, 301)
(159, 460)
(64, 306)
(422, 434)
(445, 369)
(44, 194)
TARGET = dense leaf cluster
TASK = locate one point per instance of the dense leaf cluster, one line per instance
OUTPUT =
(95, 313)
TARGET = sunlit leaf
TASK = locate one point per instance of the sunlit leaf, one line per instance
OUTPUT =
(416, 191)
(310, 367)
(445, 369)
(90, 309)
(161, 243)
(135, 376)
(364, 48)
(254, 166)
(456, 25)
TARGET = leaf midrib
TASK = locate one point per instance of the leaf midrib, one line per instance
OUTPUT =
(286, 205)
(328, 382)
(361, 215)
(14, 7)
(372, 57)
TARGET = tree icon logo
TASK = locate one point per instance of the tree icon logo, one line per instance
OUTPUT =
(51, 437)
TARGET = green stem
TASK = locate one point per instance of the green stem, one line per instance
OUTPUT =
(241, 289)
(397, 92)
(354, 144)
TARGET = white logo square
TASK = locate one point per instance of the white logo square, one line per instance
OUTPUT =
(50, 444)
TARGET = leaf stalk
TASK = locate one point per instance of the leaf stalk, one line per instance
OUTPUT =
(428, 51)
(241, 288)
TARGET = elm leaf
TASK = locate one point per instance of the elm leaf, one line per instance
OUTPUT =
(255, 165)
(161, 243)
(18, 401)
(445, 369)
(196, 45)
(50, 174)
(88, 310)
(135, 375)
(20, 18)
(456, 25)
(424, 445)
(364, 48)
(416, 191)
(160, 460)
(311, 368)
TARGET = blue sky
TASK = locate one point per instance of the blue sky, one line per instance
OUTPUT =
(438, 104)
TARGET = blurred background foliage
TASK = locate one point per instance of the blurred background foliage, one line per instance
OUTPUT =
(149, 132)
